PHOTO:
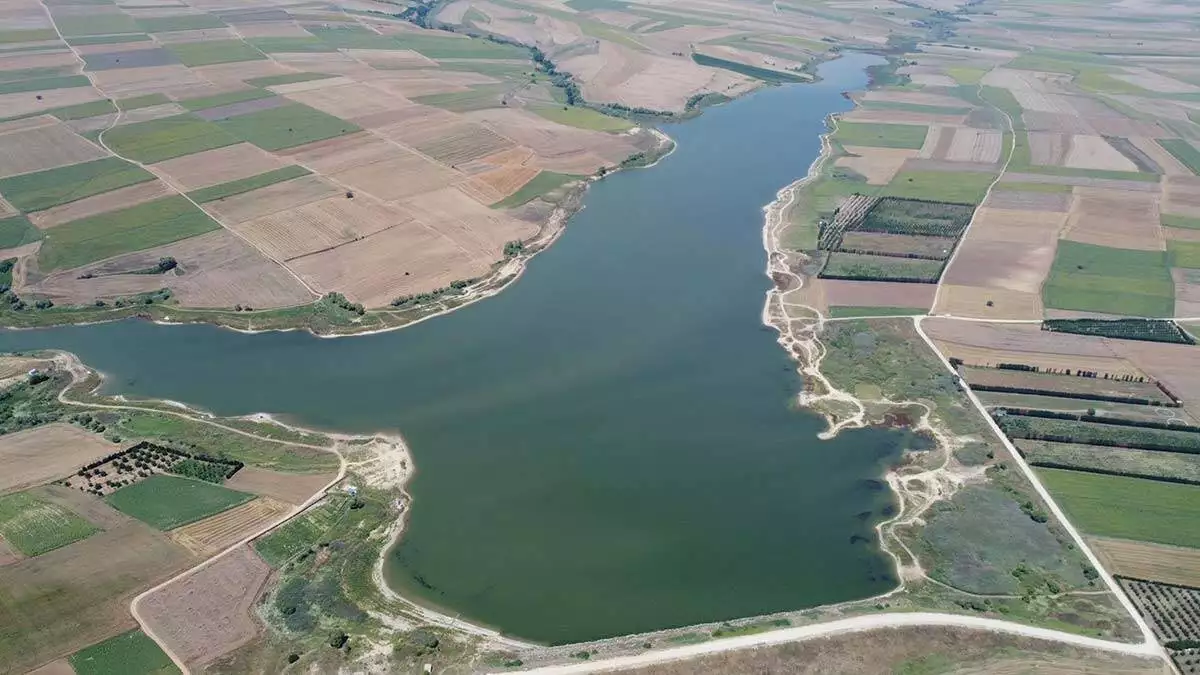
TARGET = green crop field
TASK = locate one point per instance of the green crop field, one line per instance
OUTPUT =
(1183, 151)
(237, 187)
(910, 136)
(286, 126)
(1129, 508)
(107, 39)
(44, 83)
(478, 97)
(963, 187)
(1151, 463)
(225, 99)
(17, 231)
(32, 35)
(543, 183)
(965, 75)
(214, 51)
(155, 223)
(35, 526)
(83, 110)
(44, 189)
(156, 140)
(300, 533)
(582, 118)
(1092, 278)
(1184, 253)
(273, 45)
(167, 502)
(844, 312)
(882, 268)
(162, 24)
(913, 107)
(1184, 222)
(764, 74)
(77, 25)
(131, 653)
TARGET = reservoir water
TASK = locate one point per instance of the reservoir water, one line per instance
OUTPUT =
(608, 446)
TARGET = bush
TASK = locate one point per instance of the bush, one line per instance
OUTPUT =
(338, 639)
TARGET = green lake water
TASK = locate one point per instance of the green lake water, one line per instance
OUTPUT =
(611, 444)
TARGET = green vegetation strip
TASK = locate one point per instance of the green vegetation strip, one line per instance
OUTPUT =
(543, 183)
(298, 534)
(35, 526)
(764, 74)
(131, 653)
(79, 25)
(286, 126)
(582, 118)
(17, 231)
(1095, 433)
(166, 502)
(1183, 151)
(35, 35)
(44, 189)
(1133, 462)
(1087, 277)
(44, 83)
(237, 187)
(108, 39)
(1184, 253)
(1128, 508)
(908, 136)
(225, 99)
(846, 312)
(215, 51)
(1183, 222)
(157, 140)
(147, 225)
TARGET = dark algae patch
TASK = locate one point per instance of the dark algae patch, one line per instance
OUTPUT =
(611, 445)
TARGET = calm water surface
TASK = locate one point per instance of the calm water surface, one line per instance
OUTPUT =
(608, 446)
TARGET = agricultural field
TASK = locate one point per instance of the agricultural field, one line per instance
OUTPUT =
(1092, 278)
(1071, 386)
(1127, 508)
(35, 526)
(1123, 329)
(881, 135)
(1153, 562)
(298, 534)
(1174, 614)
(1097, 433)
(46, 453)
(1169, 466)
(43, 189)
(130, 653)
(858, 266)
(166, 502)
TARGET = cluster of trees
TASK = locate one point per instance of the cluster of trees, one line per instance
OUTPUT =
(454, 288)
(1175, 610)
(513, 248)
(1147, 330)
(1080, 396)
(338, 300)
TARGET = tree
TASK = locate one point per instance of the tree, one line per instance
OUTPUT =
(338, 639)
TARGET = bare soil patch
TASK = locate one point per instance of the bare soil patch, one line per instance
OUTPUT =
(1114, 218)
(342, 152)
(225, 112)
(213, 535)
(59, 667)
(101, 203)
(974, 145)
(404, 174)
(1181, 195)
(1176, 366)
(1019, 200)
(25, 103)
(320, 225)
(840, 292)
(1152, 562)
(8, 554)
(1093, 152)
(349, 101)
(29, 149)
(47, 453)
(1048, 149)
(222, 165)
(989, 344)
(176, 80)
(1007, 249)
(1081, 181)
(1187, 288)
(988, 302)
(879, 165)
(208, 613)
(1165, 160)
(293, 488)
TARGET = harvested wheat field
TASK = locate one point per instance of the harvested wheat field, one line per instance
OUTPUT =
(988, 303)
(101, 203)
(222, 165)
(987, 344)
(47, 453)
(342, 152)
(350, 101)
(320, 225)
(403, 174)
(878, 165)
(1128, 220)
(209, 613)
(293, 488)
(214, 534)
(1024, 200)
(272, 199)
(1093, 152)
(25, 149)
(1165, 160)
(1048, 149)
(1152, 562)
(846, 293)
(24, 104)
(1007, 249)
(1181, 196)
(1176, 366)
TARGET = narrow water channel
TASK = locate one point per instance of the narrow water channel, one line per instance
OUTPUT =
(608, 446)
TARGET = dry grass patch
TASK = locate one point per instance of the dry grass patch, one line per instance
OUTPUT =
(222, 165)
(404, 174)
(1048, 149)
(97, 204)
(1128, 220)
(1152, 562)
(343, 152)
(293, 488)
(1176, 366)
(988, 303)
(1181, 196)
(320, 225)
(272, 199)
(879, 165)
(47, 453)
(350, 101)
(209, 612)
(212, 535)
(176, 80)
(1165, 160)
(25, 149)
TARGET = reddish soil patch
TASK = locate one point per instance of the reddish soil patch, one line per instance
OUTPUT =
(208, 613)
